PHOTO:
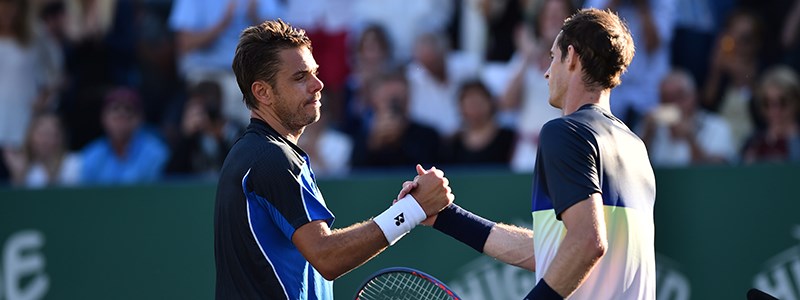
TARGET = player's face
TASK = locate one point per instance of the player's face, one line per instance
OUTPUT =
(556, 76)
(297, 90)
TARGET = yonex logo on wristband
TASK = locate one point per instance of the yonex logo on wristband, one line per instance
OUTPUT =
(399, 219)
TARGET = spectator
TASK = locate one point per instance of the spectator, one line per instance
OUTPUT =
(780, 21)
(434, 77)
(371, 57)
(99, 54)
(128, 153)
(327, 23)
(22, 86)
(733, 73)
(651, 23)
(778, 99)
(391, 138)
(206, 135)
(161, 88)
(679, 132)
(207, 32)
(45, 160)
(502, 18)
(405, 20)
(481, 140)
(524, 97)
(697, 23)
(328, 149)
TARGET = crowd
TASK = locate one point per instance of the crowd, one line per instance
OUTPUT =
(132, 91)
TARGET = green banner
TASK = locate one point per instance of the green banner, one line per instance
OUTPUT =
(719, 232)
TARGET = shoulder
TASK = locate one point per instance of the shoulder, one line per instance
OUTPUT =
(564, 127)
(97, 147)
(267, 155)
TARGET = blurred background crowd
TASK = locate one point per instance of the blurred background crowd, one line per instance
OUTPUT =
(135, 91)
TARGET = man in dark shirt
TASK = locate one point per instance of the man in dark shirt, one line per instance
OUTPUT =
(390, 138)
(272, 235)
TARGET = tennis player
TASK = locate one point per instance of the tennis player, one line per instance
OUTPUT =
(593, 186)
(272, 229)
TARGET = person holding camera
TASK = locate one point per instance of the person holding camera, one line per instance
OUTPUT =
(679, 132)
(390, 137)
(206, 134)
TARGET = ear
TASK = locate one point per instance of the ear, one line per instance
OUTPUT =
(262, 91)
(572, 58)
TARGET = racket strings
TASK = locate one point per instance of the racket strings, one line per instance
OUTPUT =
(402, 286)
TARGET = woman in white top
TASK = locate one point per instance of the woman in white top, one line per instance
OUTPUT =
(44, 160)
(22, 76)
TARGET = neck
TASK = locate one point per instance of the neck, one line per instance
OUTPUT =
(575, 98)
(274, 122)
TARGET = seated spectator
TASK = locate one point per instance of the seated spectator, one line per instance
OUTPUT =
(128, 153)
(206, 134)
(481, 140)
(328, 148)
(434, 76)
(778, 100)
(44, 159)
(735, 67)
(23, 89)
(371, 57)
(679, 132)
(391, 138)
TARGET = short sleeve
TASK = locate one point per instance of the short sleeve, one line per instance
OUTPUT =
(569, 158)
(280, 188)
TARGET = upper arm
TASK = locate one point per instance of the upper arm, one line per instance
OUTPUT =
(586, 220)
(308, 236)
(570, 159)
(276, 186)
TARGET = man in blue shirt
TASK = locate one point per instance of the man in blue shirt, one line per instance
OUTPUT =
(128, 153)
(272, 228)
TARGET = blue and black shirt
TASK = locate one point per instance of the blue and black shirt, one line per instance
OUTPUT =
(266, 191)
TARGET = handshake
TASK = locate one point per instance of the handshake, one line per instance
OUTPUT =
(419, 201)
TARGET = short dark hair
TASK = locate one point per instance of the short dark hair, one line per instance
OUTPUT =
(479, 86)
(257, 55)
(603, 43)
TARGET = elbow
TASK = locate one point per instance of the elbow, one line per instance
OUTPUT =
(597, 249)
(329, 275)
(327, 270)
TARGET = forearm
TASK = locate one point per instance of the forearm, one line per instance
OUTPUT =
(341, 250)
(512, 245)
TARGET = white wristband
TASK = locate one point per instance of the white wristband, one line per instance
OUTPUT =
(400, 218)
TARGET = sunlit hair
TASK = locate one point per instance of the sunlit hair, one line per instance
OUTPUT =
(603, 43)
(258, 54)
(784, 79)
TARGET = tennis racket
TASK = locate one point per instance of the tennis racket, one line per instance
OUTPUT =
(403, 283)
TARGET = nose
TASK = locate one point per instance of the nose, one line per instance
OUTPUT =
(547, 74)
(316, 85)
